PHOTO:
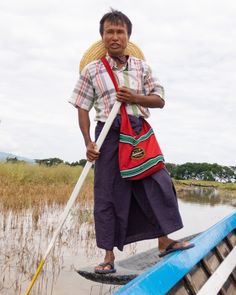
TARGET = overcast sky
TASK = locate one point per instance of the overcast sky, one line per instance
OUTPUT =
(190, 46)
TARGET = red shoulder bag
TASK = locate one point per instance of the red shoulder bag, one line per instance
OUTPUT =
(139, 154)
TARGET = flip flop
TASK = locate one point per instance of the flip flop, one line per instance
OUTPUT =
(105, 271)
(170, 248)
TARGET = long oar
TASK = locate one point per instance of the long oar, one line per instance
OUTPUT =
(76, 191)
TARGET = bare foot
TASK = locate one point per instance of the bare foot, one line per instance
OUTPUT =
(108, 265)
(105, 268)
(167, 246)
(164, 242)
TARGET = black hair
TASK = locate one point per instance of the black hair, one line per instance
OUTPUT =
(115, 17)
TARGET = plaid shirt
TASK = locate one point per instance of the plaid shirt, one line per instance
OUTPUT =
(95, 88)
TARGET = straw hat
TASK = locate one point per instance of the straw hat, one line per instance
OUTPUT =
(98, 50)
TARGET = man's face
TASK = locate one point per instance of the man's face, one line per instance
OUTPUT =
(115, 38)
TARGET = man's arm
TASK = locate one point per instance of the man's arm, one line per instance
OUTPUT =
(150, 101)
(84, 124)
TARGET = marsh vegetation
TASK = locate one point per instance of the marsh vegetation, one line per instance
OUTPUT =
(32, 198)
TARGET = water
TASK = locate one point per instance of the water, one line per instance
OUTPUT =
(24, 235)
(196, 218)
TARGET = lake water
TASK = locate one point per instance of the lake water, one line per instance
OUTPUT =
(23, 236)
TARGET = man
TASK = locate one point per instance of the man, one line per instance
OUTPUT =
(124, 211)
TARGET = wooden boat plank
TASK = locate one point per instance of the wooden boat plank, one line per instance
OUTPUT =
(229, 287)
(127, 269)
(197, 277)
(121, 277)
(182, 272)
(220, 277)
(179, 289)
(211, 262)
(165, 276)
(232, 238)
(234, 274)
(222, 250)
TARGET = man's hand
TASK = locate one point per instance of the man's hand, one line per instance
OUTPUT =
(92, 153)
(125, 95)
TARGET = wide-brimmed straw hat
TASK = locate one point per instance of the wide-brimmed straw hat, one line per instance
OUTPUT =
(98, 50)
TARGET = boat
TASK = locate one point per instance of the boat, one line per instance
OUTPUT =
(207, 269)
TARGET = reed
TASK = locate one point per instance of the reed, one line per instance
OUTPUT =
(25, 186)
(32, 198)
(229, 188)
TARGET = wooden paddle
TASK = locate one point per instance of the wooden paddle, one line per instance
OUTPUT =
(76, 191)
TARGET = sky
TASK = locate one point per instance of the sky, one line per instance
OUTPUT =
(190, 46)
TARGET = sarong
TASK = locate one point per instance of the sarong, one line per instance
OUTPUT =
(129, 211)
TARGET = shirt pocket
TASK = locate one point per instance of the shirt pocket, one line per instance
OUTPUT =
(134, 81)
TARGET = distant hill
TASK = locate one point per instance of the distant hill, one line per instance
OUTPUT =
(4, 156)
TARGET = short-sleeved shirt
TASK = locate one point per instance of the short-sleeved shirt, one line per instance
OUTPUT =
(95, 88)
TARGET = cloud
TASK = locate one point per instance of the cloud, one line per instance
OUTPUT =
(189, 46)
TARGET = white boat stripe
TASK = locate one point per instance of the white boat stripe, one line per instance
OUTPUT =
(219, 277)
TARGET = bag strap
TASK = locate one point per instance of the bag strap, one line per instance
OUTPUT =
(110, 72)
(112, 76)
(124, 116)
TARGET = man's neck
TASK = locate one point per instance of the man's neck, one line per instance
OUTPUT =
(120, 60)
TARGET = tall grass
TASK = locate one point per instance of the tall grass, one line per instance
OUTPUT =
(31, 202)
(23, 185)
(221, 187)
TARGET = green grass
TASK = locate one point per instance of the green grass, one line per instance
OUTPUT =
(213, 184)
(22, 173)
(25, 185)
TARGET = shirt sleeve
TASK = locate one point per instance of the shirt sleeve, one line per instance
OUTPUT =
(152, 84)
(83, 93)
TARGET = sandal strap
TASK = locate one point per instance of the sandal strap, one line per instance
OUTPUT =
(170, 246)
(104, 264)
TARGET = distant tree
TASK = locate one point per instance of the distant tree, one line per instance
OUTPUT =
(14, 160)
(82, 162)
(171, 168)
(49, 161)
(11, 160)
(76, 163)
(57, 161)
(202, 171)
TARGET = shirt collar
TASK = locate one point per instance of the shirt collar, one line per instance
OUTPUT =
(113, 65)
